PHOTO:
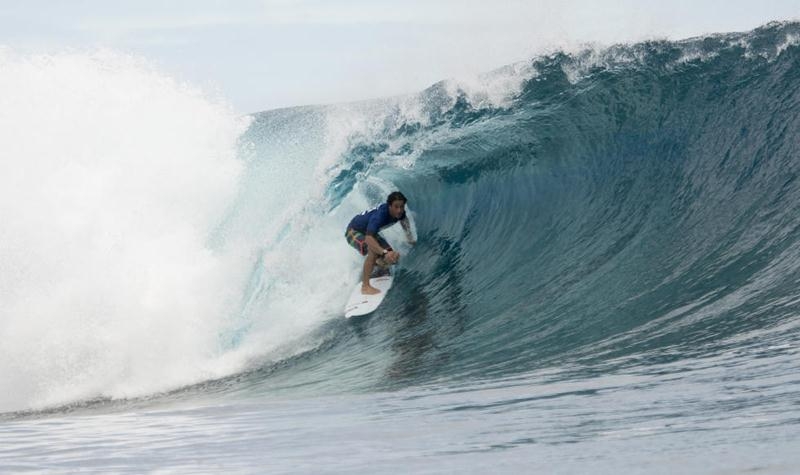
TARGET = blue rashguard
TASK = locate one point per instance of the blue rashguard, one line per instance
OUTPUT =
(373, 221)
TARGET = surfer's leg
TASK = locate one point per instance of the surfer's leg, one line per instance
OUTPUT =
(356, 239)
(369, 264)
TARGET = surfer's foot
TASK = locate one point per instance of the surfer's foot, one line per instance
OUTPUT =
(369, 290)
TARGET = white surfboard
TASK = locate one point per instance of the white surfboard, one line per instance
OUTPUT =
(360, 304)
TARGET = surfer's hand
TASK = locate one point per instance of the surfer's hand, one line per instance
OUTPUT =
(392, 257)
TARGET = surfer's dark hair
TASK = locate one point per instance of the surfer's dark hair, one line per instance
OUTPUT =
(394, 196)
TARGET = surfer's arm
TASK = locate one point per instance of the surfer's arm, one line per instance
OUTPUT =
(407, 228)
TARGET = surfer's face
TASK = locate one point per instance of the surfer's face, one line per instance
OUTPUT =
(397, 208)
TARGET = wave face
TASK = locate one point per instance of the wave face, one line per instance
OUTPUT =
(633, 205)
(640, 202)
(627, 206)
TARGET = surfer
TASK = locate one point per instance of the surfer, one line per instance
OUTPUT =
(363, 234)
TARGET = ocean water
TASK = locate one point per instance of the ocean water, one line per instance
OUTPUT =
(606, 279)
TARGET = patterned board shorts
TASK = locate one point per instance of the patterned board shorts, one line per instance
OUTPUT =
(357, 239)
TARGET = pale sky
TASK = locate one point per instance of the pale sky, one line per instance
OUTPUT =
(265, 54)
